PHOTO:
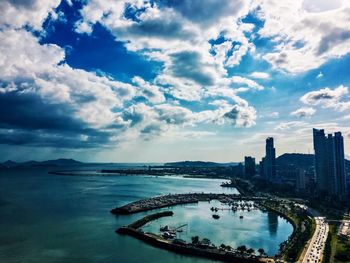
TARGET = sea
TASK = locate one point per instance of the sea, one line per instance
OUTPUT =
(46, 218)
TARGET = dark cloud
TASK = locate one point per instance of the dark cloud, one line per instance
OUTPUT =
(23, 3)
(56, 140)
(204, 12)
(167, 29)
(241, 116)
(28, 111)
(188, 64)
(322, 96)
(335, 37)
(25, 119)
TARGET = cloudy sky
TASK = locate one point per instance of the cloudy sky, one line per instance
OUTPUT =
(163, 80)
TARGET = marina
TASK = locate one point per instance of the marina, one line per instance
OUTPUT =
(197, 215)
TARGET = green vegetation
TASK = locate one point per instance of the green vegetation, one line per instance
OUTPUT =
(337, 248)
(342, 253)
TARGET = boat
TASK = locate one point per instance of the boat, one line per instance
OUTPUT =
(164, 228)
(216, 216)
(169, 235)
(241, 217)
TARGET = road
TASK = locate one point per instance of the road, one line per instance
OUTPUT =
(317, 244)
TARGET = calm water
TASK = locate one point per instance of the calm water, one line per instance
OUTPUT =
(50, 218)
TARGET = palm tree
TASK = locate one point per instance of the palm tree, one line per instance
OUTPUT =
(250, 251)
(242, 249)
(261, 251)
(195, 240)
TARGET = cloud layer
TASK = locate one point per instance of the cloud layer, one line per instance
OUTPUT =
(215, 70)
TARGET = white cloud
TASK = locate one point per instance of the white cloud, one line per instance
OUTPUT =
(305, 36)
(16, 14)
(149, 91)
(328, 98)
(260, 75)
(242, 116)
(248, 82)
(303, 112)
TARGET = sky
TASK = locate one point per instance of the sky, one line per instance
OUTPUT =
(167, 80)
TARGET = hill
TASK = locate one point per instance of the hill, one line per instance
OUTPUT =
(58, 162)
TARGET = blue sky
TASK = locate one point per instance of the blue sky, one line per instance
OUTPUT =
(164, 80)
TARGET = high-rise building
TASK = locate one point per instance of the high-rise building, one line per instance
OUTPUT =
(249, 166)
(340, 164)
(320, 160)
(300, 182)
(330, 163)
(270, 160)
(261, 168)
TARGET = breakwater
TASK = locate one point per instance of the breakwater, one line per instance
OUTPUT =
(177, 199)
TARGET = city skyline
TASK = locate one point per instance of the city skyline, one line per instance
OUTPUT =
(159, 81)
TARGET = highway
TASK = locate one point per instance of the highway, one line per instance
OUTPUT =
(317, 244)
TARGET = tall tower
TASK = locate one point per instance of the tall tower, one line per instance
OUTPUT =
(270, 160)
(330, 164)
(320, 160)
(340, 164)
(249, 166)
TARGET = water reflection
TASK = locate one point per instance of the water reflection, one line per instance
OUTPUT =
(273, 223)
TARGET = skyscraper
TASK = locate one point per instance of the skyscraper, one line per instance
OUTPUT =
(320, 160)
(330, 166)
(249, 166)
(340, 164)
(269, 161)
(330, 163)
(300, 182)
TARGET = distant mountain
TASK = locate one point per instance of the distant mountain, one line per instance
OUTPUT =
(198, 164)
(10, 163)
(62, 162)
(58, 162)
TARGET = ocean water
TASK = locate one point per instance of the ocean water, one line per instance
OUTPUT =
(51, 218)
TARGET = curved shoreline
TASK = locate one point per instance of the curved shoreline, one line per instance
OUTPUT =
(230, 199)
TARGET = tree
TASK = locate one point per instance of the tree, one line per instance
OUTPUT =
(261, 251)
(242, 249)
(195, 240)
(250, 251)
